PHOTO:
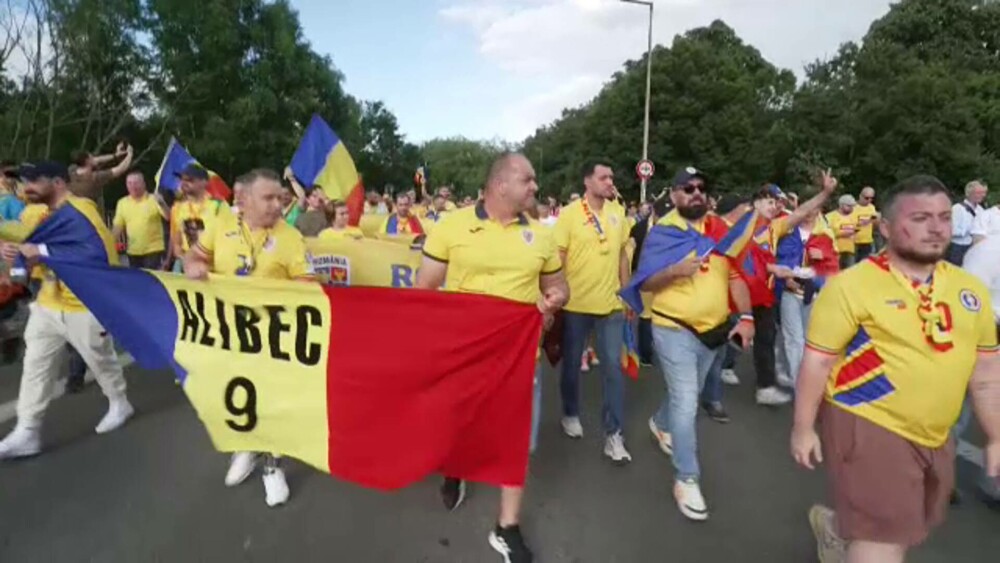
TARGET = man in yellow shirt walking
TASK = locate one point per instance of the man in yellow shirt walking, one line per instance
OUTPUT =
(140, 217)
(893, 344)
(493, 248)
(58, 318)
(257, 244)
(867, 218)
(591, 234)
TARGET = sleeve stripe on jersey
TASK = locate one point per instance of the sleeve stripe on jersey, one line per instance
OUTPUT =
(553, 272)
(988, 349)
(435, 258)
(822, 350)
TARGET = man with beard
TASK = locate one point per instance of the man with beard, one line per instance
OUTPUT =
(691, 290)
(892, 347)
(494, 249)
(194, 213)
(57, 317)
(257, 244)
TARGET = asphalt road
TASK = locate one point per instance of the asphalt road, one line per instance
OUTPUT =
(153, 491)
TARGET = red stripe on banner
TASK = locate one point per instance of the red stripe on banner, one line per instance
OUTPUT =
(446, 387)
(858, 367)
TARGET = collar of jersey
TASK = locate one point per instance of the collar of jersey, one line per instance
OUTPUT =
(483, 216)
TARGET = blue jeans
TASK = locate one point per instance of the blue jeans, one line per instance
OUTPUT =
(794, 322)
(685, 362)
(610, 334)
(536, 407)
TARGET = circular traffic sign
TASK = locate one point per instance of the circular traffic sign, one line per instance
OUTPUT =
(645, 169)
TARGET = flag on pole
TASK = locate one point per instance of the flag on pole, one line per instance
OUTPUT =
(322, 159)
(630, 353)
(176, 159)
(421, 178)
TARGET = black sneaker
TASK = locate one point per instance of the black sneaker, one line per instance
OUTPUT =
(452, 492)
(716, 412)
(509, 543)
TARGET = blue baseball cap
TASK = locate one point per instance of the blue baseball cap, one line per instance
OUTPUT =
(685, 175)
(194, 170)
(775, 191)
(31, 171)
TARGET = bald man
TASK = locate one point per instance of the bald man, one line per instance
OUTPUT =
(867, 217)
(464, 253)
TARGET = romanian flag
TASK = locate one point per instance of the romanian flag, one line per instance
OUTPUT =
(300, 369)
(322, 159)
(630, 353)
(421, 178)
(71, 232)
(176, 159)
(667, 244)
(860, 377)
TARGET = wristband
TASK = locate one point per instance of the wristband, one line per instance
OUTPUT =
(746, 318)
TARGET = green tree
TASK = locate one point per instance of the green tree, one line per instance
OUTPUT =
(460, 163)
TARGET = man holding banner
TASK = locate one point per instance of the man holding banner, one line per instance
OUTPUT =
(195, 213)
(494, 249)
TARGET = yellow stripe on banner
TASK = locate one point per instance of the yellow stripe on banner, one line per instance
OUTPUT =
(339, 176)
(365, 262)
(271, 396)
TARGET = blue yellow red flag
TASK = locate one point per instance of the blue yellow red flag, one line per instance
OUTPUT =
(630, 353)
(322, 159)
(176, 159)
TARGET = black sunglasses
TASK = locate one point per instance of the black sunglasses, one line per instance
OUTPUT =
(691, 188)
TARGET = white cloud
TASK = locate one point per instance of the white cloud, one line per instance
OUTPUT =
(560, 52)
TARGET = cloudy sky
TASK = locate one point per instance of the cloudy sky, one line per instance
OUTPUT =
(502, 68)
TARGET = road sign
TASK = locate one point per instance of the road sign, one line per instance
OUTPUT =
(645, 169)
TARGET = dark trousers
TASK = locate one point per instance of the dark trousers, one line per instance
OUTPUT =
(864, 250)
(956, 253)
(763, 346)
(152, 261)
(846, 260)
(645, 343)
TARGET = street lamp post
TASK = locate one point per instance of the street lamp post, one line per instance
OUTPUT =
(649, 79)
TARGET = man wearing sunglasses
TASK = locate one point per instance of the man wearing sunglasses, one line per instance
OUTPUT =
(867, 218)
(691, 295)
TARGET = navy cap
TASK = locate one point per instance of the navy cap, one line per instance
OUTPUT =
(685, 175)
(194, 170)
(775, 191)
(728, 203)
(31, 171)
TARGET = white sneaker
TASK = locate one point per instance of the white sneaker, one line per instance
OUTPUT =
(571, 427)
(21, 442)
(594, 360)
(240, 467)
(119, 411)
(772, 397)
(829, 547)
(614, 448)
(689, 500)
(584, 366)
(784, 380)
(729, 377)
(275, 487)
(662, 438)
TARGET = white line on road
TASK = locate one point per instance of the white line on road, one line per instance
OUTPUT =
(8, 410)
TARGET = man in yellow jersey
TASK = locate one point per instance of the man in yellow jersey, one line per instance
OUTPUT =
(192, 215)
(591, 235)
(867, 217)
(140, 216)
(339, 215)
(892, 347)
(58, 318)
(844, 224)
(257, 244)
(445, 192)
(493, 248)
(402, 221)
(690, 326)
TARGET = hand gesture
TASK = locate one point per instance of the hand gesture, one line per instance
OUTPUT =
(827, 182)
(806, 447)
(687, 267)
(9, 251)
(121, 149)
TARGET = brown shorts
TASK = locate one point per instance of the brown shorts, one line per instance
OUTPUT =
(885, 488)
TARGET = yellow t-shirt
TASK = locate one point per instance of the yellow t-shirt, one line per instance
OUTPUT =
(845, 228)
(189, 219)
(31, 216)
(488, 258)
(236, 250)
(592, 259)
(54, 295)
(143, 224)
(701, 301)
(888, 372)
(865, 215)
(348, 233)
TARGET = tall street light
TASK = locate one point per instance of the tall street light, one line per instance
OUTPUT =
(649, 78)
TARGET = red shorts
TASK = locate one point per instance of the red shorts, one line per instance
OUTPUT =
(885, 488)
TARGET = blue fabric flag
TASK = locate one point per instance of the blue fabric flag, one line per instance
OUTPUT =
(665, 246)
(176, 159)
(69, 235)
